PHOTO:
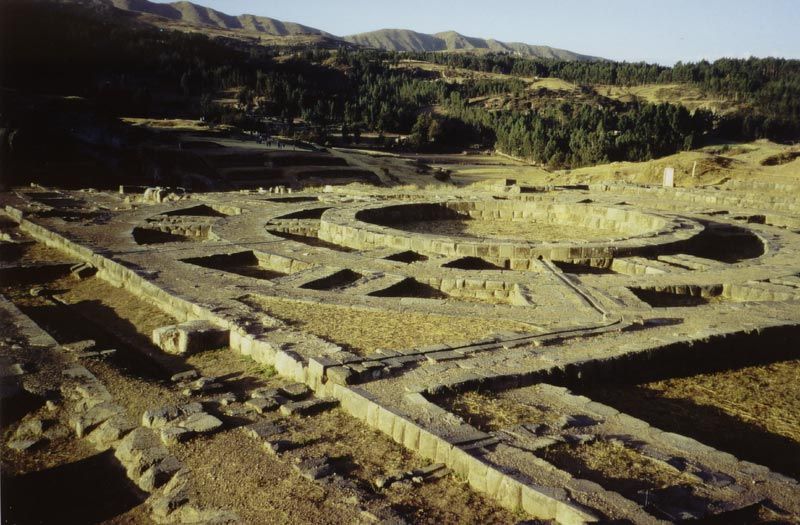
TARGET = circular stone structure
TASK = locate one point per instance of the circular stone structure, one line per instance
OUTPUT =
(620, 231)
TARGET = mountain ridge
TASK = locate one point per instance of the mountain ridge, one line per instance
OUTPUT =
(409, 40)
(387, 39)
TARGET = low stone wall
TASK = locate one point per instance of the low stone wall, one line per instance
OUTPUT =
(366, 228)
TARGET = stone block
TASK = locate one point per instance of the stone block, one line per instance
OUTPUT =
(190, 337)
(295, 391)
(263, 404)
(308, 407)
(200, 423)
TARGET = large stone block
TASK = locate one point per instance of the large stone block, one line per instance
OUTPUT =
(190, 337)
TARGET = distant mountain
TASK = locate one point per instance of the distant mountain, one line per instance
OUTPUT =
(407, 40)
(197, 15)
(389, 39)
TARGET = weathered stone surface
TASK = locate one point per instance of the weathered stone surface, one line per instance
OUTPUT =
(172, 495)
(341, 375)
(174, 435)
(111, 431)
(201, 423)
(159, 473)
(95, 415)
(139, 450)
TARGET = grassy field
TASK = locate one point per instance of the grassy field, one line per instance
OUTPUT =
(759, 160)
(691, 97)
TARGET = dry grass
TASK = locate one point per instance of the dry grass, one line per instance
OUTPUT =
(493, 411)
(553, 84)
(615, 466)
(691, 97)
(121, 306)
(526, 230)
(364, 331)
(765, 396)
(170, 124)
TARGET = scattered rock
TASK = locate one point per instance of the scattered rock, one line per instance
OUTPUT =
(200, 423)
(237, 410)
(82, 271)
(417, 476)
(111, 431)
(29, 428)
(159, 473)
(575, 421)
(202, 385)
(295, 391)
(263, 429)
(58, 431)
(190, 337)
(189, 375)
(262, 405)
(580, 439)
(276, 446)
(171, 496)
(23, 445)
(159, 417)
(103, 354)
(78, 347)
(140, 450)
(174, 435)
(15, 369)
(265, 393)
(99, 413)
(228, 398)
(314, 469)
(308, 407)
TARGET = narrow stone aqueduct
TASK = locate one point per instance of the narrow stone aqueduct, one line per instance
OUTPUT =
(624, 283)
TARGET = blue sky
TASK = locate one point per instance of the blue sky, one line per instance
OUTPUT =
(662, 31)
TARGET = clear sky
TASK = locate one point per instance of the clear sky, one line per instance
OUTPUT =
(662, 31)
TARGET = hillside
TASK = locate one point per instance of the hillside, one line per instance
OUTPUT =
(407, 40)
(197, 15)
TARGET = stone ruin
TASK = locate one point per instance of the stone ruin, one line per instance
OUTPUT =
(637, 283)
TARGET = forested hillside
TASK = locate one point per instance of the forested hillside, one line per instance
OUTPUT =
(128, 69)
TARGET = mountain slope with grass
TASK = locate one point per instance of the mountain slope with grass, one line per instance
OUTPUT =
(407, 40)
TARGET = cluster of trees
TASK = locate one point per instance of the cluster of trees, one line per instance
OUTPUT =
(579, 135)
(767, 88)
